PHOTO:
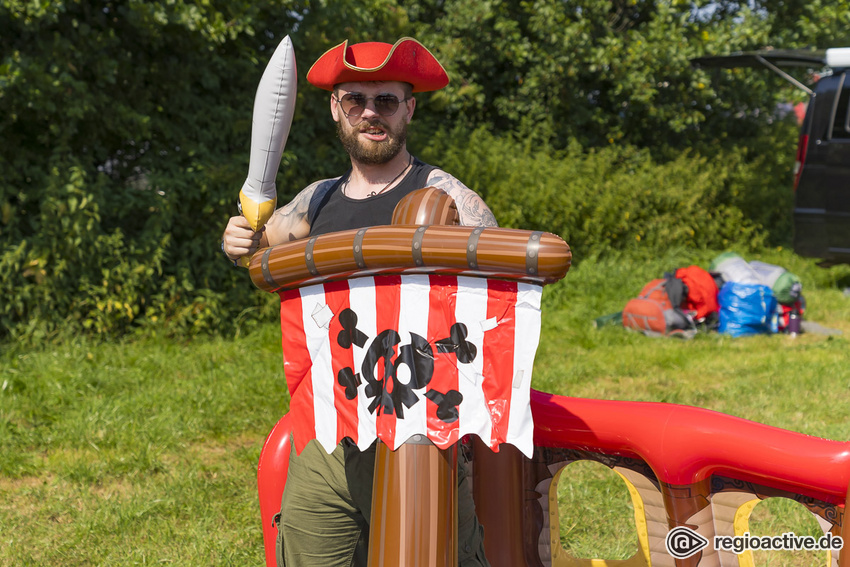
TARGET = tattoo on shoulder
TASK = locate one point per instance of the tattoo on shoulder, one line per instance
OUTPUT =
(297, 208)
(291, 222)
(471, 207)
(473, 212)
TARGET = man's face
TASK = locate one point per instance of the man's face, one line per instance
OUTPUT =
(372, 138)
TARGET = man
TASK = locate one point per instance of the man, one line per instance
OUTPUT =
(327, 501)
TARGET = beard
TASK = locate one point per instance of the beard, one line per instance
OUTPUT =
(368, 152)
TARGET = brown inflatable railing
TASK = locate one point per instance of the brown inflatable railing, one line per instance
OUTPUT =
(501, 253)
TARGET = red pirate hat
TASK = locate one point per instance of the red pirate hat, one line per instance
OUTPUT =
(407, 61)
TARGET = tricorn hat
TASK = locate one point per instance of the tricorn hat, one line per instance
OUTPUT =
(407, 61)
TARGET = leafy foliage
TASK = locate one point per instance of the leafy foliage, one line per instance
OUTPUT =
(613, 198)
(124, 132)
(618, 71)
(126, 127)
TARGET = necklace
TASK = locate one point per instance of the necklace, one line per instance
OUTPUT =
(387, 186)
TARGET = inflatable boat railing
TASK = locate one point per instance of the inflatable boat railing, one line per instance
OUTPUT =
(683, 466)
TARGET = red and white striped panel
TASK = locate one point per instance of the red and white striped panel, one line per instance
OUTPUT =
(395, 356)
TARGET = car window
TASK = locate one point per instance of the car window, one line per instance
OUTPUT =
(841, 122)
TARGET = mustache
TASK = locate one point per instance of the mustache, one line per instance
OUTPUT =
(371, 123)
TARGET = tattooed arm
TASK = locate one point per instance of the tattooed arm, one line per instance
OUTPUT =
(287, 223)
(472, 209)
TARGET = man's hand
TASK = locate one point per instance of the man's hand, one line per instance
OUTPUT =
(239, 239)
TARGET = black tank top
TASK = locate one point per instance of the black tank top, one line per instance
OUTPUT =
(331, 211)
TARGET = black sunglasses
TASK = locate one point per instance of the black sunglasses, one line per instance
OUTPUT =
(353, 104)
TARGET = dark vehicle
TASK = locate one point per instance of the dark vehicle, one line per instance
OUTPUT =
(822, 169)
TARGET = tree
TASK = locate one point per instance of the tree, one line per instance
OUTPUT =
(616, 71)
(124, 129)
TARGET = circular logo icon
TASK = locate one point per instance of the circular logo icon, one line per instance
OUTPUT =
(683, 542)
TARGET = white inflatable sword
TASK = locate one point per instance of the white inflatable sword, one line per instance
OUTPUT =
(274, 105)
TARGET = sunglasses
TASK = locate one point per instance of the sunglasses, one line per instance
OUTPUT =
(353, 104)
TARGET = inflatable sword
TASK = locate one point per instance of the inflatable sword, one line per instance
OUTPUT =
(274, 105)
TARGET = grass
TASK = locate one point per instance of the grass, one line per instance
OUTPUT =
(136, 453)
(144, 451)
(801, 384)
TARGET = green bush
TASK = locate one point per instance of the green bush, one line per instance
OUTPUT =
(78, 274)
(603, 200)
(121, 160)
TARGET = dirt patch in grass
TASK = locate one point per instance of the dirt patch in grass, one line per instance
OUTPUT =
(213, 453)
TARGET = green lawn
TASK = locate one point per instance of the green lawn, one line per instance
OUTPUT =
(145, 451)
(136, 453)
